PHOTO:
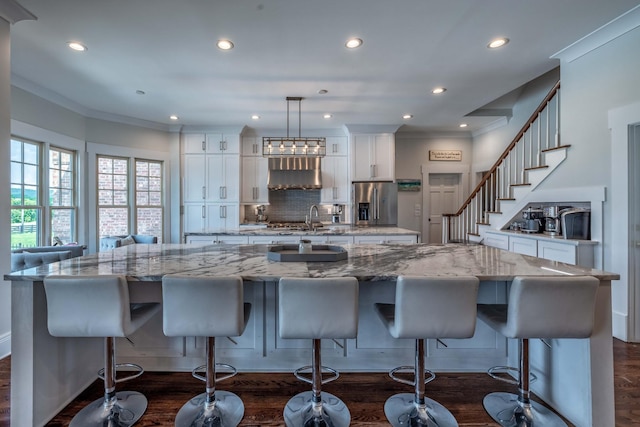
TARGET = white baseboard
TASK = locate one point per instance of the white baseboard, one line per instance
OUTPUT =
(619, 326)
(5, 345)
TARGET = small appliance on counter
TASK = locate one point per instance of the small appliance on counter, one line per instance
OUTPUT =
(336, 213)
(576, 224)
(532, 220)
(552, 225)
(260, 215)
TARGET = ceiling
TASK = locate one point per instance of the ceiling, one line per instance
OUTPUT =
(167, 49)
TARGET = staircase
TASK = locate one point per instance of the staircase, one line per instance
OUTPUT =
(532, 155)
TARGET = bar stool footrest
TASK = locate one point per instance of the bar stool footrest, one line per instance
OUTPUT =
(137, 368)
(299, 374)
(429, 375)
(494, 371)
(218, 378)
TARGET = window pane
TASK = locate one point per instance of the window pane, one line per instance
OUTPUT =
(63, 224)
(31, 153)
(142, 183)
(66, 161)
(113, 221)
(16, 195)
(120, 198)
(155, 184)
(66, 179)
(54, 178)
(66, 198)
(105, 165)
(155, 198)
(16, 151)
(54, 159)
(120, 182)
(105, 181)
(30, 195)
(16, 173)
(149, 221)
(31, 174)
(142, 198)
(54, 197)
(105, 197)
(24, 228)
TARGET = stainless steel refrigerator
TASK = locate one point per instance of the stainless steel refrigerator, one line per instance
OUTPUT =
(375, 203)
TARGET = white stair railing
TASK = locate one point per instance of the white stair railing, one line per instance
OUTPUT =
(541, 133)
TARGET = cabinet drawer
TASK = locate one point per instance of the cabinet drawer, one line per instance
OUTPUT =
(499, 241)
(557, 252)
(521, 245)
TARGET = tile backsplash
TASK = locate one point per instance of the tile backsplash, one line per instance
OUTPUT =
(289, 206)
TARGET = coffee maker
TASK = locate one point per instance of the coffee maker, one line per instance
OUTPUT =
(532, 220)
(552, 224)
(336, 213)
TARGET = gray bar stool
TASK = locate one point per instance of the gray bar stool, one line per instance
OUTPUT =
(207, 307)
(551, 307)
(316, 309)
(426, 307)
(98, 306)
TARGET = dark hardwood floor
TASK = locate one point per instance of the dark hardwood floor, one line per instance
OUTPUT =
(265, 395)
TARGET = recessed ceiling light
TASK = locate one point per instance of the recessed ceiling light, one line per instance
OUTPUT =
(140, 92)
(407, 116)
(327, 116)
(77, 46)
(438, 90)
(494, 44)
(173, 117)
(353, 43)
(322, 91)
(225, 44)
(463, 125)
(255, 117)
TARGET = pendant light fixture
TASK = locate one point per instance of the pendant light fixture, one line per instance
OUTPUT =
(294, 146)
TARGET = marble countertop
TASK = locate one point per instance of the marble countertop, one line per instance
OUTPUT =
(347, 230)
(144, 262)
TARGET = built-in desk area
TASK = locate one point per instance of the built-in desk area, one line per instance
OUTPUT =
(574, 376)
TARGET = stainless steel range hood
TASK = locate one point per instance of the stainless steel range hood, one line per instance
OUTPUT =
(286, 173)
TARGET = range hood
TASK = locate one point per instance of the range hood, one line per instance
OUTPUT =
(286, 173)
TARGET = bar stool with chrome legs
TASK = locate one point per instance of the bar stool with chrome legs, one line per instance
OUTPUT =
(538, 307)
(426, 307)
(98, 306)
(207, 307)
(316, 309)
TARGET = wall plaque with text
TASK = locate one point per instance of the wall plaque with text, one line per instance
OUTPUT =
(446, 155)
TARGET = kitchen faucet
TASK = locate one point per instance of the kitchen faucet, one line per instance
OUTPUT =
(309, 220)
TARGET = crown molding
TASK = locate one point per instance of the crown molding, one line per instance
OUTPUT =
(12, 11)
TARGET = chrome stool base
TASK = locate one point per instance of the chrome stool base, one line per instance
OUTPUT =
(122, 411)
(505, 409)
(226, 410)
(403, 411)
(301, 411)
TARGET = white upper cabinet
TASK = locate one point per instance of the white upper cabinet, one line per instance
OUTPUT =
(335, 180)
(337, 146)
(211, 143)
(251, 146)
(373, 157)
(254, 180)
(223, 178)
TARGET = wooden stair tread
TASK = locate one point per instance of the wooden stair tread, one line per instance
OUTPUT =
(559, 147)
(483, 223)
(522, 184)
(493, 212)
(473, 234)
(532, 168)
(505, 199)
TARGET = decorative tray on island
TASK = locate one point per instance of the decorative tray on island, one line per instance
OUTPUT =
(318, 253)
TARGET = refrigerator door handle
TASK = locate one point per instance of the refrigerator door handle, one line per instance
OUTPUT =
(376, 204)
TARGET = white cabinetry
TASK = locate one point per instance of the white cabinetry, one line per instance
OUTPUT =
(254, 173)
(211, 189)
(523, 245)
(217, 239)
(335, 180)
(405, 239)
(373, 157)
(570, 253)
(496, 240)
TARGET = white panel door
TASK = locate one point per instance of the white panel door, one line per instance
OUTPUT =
(444, 194)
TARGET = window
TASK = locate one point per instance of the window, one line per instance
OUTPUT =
(113, 196)
(38, 220)
(26, 207)
(149, 210)
(118, 215)
(62, 204)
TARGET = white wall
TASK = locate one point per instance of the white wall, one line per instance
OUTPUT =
(5, 236)
(600, 74)
(412, 151)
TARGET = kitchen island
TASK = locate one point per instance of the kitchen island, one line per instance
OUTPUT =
(574, 376)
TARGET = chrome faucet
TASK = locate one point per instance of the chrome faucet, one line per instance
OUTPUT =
(309, 218)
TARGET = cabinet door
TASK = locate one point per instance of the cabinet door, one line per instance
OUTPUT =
(223, 178)
(193, 217)
(251, 146)
(521, 245)
(557, 252)
(335, 181)
(194, 178)
(383, 154)
(337, 146)
(202, 240)
(222, 143)
(254, 180)
(232, 240)
(194, 143)
(495, 240)
(361, 158)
